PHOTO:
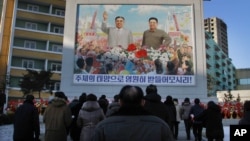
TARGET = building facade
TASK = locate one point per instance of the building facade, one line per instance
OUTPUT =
(220, 69)
(218, 29)
(35, 40)
(243, 79)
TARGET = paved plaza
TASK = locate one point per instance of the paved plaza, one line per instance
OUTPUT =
(6, 131)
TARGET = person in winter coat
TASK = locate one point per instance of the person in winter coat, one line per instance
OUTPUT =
(171, 111)
(57, 119)
(185, 110)
(212, 119)
(178, 117)
(26, 121)
(89, 116)
(113, 107)
(104, 103)
(246, 117)
(153, 103)
(75, 130)
(197, 123)
(132, 122)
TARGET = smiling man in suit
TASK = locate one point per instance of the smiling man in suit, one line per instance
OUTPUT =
(117, 36)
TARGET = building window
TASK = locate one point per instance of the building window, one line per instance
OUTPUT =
(29, 44)
(33, 7)
(28, 64)
(58, 29)
(60, 12)
(57, 48)
(55, 67)
(57, 86)
(245, 81)
(30, 25)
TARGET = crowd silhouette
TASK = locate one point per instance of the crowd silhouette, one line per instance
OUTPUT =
(130, 115)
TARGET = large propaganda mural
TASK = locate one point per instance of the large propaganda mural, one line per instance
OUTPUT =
(114, 44)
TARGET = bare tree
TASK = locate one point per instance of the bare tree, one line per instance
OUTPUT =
(35, 81)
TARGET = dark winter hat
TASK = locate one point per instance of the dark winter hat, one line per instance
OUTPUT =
(91, 97)
(151, 89)
(60, 95)
(30, 97)
(197, 101)
(247, 106)
(186, 99)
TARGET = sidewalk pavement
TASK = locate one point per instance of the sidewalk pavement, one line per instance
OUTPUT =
(6, 131)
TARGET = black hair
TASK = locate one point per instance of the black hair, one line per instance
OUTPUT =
(153, 18)
(187, 100)
(197, 101)
(60, 95)
(151, 89)
(89, 61)
(91, 97)
(117, 17)
(30, 97)
(80, 62)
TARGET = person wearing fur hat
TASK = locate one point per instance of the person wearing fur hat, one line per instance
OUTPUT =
(89, 116)
(57, 119)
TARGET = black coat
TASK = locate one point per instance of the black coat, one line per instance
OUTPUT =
(155, 107)
(26, 122)
(212, 119)
(246, 119)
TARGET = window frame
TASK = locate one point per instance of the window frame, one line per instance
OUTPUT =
(60, 29)
(28, 62)
(60, 12)
(30, 25)
(32, 7)
(56, 48)
(57, 65)
(28, 44)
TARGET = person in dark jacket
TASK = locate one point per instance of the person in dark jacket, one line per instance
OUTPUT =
(132, 122)
(57, 119)
(246, 118)
(171, 111)
(212, 119)
(104, 103)
(185, 110)
(153, 103)
(75, 131)
(26, 121)
(197, 124)
(113, 107)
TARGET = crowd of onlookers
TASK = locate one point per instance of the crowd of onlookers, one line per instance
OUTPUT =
(130, 116)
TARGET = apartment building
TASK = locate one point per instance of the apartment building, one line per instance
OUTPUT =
(35, 40)
(220, 69)
(218, 29)
(243, 79)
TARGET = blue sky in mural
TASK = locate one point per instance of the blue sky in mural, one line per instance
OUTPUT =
(136, 16)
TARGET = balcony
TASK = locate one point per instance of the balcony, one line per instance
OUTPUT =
(38, 35)
(34, 54)
(41, 17)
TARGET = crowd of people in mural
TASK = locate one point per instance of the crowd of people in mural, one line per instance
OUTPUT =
(130, 116)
